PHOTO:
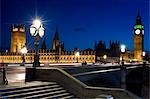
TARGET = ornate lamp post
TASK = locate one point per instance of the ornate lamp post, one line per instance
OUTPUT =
(143, 54)
(37, 31)
(77, 54)
(23, 52)
(123, 67)
(144, 61)
(123, 50)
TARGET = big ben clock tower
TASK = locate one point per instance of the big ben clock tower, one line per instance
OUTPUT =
(138, 39)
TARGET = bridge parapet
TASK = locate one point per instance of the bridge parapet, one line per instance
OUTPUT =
(73, 85)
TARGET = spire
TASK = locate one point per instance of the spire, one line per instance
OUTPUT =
(138, 18)
(56, 36)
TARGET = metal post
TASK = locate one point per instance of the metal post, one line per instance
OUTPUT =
(144, 71)
(23, 60)
(36, 56)
(5, 82)
(36, 60)
(77, 59)
(122, 62)
(145, 81)
(123, 74)
(4, 75)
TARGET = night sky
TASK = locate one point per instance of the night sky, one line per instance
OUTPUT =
(80, 22)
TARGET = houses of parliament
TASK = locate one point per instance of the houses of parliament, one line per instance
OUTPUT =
(58, 54)
(55, 55)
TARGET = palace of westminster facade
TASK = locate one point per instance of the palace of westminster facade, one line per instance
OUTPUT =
(58, 54)
(55, 55)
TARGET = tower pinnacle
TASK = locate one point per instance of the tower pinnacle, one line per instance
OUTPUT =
(56, 36)
(138, 18)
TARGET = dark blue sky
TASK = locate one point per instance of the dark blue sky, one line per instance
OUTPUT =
(80, 22)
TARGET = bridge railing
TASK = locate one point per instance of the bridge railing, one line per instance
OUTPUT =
(73, 85)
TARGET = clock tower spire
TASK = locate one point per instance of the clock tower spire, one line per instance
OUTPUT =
(138, 39)
(138, 18)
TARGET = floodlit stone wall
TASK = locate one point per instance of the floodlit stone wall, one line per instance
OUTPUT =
(49, 57)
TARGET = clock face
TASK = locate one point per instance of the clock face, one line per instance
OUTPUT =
(137, 31)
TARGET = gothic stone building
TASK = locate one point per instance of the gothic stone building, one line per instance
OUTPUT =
(55, 55)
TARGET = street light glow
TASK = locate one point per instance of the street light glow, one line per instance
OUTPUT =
(123, 48)
(37, 28)
(143, 53)
(41, 31)
(77, 54)
(24, 50)
(37, 23)
(105, 56)
(32, 30)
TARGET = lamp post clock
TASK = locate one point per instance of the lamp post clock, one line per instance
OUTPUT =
(138, 39)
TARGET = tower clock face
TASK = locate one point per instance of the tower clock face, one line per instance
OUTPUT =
(137, 31)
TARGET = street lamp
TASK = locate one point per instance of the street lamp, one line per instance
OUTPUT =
(77, 54)
(122, 49)
(23, 52)
(105, 57)
(37, 31)
(123, 68)
(143, 54)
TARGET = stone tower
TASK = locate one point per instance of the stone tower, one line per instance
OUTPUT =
(138, 39)
(18, 38)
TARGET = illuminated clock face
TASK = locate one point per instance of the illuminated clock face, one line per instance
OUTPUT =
(137, 31)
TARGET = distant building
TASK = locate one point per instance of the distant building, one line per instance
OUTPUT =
(112, 53)
(114, 49)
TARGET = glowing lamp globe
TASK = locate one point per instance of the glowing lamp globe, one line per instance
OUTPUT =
(105, 56)
(41, 32)
(143, 54)
(123, 48)
(32, 30)
(37, 23)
